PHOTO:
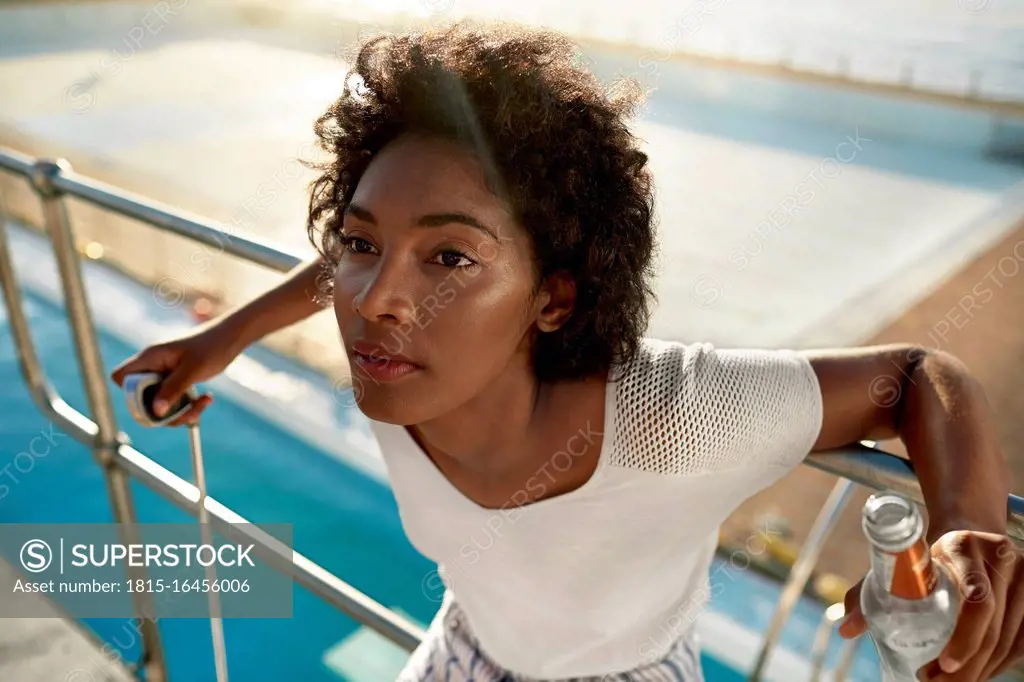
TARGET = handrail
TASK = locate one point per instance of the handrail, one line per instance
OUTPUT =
(102, 437)
(857, 463)
(48, 179)
(184, 494)
(120, 457)
(884, 471)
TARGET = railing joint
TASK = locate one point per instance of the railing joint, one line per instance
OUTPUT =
(105, 454)
(42, 176)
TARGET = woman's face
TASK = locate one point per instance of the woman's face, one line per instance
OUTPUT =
(433, 292)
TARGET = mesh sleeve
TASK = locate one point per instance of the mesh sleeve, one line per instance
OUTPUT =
(693, 409)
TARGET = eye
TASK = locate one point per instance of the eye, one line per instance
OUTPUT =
(356, 244)
(450, 258)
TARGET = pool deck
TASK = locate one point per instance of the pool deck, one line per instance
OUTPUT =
(50, 647)
(805, 210)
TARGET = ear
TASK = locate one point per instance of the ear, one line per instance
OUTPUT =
(557, 298)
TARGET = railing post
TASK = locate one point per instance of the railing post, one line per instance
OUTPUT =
(94, 377)
(800, 573)
(845, 662)
(822, 638)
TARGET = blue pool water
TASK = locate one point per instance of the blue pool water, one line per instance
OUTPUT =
(342, 518)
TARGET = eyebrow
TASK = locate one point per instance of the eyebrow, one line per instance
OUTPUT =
(428, 220)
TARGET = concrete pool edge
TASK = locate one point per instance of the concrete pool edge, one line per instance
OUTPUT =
(54, 646)
(856, 320)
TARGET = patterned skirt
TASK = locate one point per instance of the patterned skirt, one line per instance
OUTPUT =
(451, 653)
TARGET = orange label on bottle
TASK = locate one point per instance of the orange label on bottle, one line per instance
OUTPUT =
(913, 575)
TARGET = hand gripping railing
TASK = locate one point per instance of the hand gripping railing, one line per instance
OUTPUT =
(51, 181)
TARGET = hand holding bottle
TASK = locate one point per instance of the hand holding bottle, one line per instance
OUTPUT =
(974, 580)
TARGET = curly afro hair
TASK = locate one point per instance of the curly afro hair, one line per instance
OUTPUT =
(554, 146)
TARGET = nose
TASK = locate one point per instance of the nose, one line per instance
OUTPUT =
(385, 294)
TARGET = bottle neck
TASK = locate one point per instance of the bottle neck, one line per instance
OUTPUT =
(907, 574)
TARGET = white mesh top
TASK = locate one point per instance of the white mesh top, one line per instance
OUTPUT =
(607, 577)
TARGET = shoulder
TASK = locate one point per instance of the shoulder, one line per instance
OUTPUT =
(693, 408)
(701, 369)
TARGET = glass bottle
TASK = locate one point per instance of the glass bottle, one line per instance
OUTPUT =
(909, 601)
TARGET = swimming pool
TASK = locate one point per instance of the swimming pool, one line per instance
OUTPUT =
(343, 513)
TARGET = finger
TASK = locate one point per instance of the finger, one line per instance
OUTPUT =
(853, 624)
(152, 359)
(194, 419)
(172, 388)
(972, 668)
(1016, 653)
(118, 374)
(192, 416)
(962, 557)
(929, 671)
(188, 417)
(1009, 647)
(977, 630)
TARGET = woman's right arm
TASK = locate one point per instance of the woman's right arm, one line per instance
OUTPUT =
(291, 301)
(207, 350)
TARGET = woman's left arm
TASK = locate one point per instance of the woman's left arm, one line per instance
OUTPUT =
(932, 403)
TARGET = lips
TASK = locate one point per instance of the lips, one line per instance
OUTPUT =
(380, 365)
(378, 353)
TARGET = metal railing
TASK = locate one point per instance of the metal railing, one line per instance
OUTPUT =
(52, 181)
(118, 459)
(801, 571)
(874, 469)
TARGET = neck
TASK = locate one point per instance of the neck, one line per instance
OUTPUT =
(490, 435)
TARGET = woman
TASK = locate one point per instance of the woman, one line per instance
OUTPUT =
(485, 231)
